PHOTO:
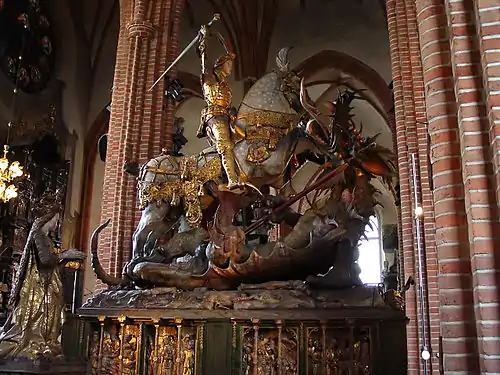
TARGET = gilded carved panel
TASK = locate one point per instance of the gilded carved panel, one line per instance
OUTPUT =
(173, 350)
(337, 351)
(115, 350)
(269, 350)
(259, 348)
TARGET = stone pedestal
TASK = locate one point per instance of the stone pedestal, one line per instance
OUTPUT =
(283, 328)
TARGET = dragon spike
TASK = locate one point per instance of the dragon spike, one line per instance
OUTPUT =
(282, 61)
(306, 101)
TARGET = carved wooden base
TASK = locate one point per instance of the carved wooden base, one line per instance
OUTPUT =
(56, 367)
(275, 328)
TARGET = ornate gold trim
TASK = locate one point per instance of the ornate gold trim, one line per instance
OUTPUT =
(189, 187)
(269, 118)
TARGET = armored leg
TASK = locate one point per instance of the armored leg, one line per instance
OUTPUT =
(219, 134)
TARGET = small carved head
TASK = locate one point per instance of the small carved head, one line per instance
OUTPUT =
(225, 63)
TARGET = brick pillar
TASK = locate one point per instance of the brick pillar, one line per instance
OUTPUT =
(456, 319)
(488, 29)
(429, 250)
(173, 49)
(412, 139)
(486, 264)
(136, 130)
(406, 231)
(476, 132)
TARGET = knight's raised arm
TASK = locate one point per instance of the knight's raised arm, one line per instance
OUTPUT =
(202, 46)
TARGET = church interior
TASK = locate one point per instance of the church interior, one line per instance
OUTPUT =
(210, 187)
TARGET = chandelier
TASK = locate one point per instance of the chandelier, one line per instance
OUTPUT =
(8, 172)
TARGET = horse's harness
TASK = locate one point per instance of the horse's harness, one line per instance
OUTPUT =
(189, 179)
(263, 129)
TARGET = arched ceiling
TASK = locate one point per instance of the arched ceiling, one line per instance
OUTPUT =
(192, 6)
(339, 69)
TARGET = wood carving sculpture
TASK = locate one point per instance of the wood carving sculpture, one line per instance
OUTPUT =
(33, 327)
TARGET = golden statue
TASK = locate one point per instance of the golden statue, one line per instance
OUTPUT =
(129, 354)
(215, 117)
(167, 355)
(33, 327)
(188, 360)
(111, 352)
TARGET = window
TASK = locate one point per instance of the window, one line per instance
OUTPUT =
(370, 254)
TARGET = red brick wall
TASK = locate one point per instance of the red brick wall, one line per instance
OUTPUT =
(148, 38)
(445, 67)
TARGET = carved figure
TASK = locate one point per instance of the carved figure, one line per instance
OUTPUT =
(215, 117)
(289, 352)
(129, 354)
(94, 353)
(111, 352)
(34, 325)
(314, 350)
(171, 186)
(188, 353)
(246, 363)
(150, 355)
(166, 356)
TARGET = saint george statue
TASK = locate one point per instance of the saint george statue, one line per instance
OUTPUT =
(34, 324)
(215, 117)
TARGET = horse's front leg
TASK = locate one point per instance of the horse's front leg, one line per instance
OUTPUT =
(151, 223)
(149, 226)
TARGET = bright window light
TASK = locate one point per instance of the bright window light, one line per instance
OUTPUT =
(370, 254)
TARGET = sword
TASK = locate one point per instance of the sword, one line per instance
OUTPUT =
(216, 17)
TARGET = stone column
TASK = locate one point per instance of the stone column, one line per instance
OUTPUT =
(455, 319)
(137, 129)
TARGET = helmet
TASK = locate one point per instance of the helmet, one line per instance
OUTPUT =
(224, 58)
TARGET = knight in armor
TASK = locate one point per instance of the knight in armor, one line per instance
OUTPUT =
(215, 117)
